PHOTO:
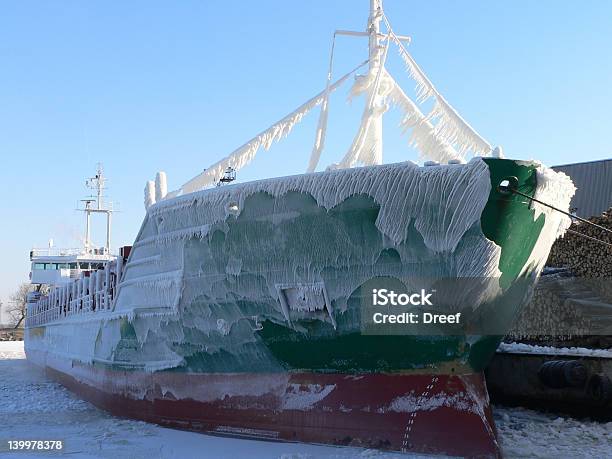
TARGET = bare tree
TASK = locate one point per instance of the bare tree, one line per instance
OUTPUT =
(17, 307)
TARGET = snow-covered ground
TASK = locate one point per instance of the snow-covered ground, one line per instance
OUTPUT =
(521, 348)
(33, 407)
(529, 434)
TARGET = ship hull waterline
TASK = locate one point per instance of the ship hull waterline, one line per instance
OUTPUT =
(423, 413)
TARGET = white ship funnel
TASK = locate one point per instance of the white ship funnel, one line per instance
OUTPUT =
(161, 186)
(149, 194)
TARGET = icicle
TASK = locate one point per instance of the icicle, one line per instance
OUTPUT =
(320, 137)
(245, 154)
(322, 124)
(450, 125)
(424, 136)
(456, 130)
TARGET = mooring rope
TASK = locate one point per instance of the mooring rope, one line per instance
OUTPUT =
(589, 237)
(572, 216)
(576, 217)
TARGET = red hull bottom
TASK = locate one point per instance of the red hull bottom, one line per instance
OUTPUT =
(435, 414)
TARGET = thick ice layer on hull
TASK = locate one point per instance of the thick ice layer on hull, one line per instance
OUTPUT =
(557, 189)
(215, 278)
(442, 202)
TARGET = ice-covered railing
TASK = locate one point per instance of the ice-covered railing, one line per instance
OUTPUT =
(440, 135)
(93, 291)
(54, 252)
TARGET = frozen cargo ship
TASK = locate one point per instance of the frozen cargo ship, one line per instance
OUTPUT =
(239, 308)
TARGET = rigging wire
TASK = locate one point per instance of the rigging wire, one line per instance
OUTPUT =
(245, 153)
(589, 237)
(603, 228)
(323, 115)
(457, 129)
(572, 216)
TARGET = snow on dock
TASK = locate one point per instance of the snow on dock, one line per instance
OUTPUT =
(32, 407)
(521, 348)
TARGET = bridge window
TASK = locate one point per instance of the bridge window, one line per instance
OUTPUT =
(54, 266)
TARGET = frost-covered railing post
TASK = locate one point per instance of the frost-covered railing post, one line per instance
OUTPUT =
(93, 291)
(99, 291)
(81, 294)
(73, 294)
(77, 297)
(74, 298)
(89, 293)
(106, 286)
(64, 296)
(84, 282)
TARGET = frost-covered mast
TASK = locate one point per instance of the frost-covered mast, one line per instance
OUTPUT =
(368, 141)
(98, 184)
(376, 61)
(440, 135)
(367, 146)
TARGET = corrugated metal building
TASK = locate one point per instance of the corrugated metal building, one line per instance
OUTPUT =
(593, 182)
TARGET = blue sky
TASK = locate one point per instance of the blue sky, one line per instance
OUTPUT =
(144, 86)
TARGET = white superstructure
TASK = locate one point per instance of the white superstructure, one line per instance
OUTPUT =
(74, 280)
(53, 267)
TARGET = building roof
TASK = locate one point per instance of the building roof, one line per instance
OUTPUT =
(593, 182)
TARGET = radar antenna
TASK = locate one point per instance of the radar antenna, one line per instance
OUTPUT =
(96, 204)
